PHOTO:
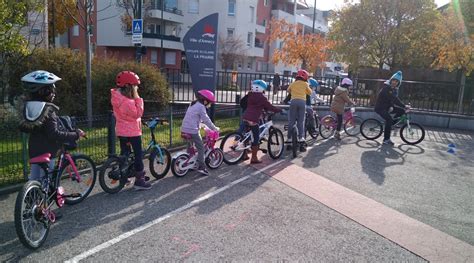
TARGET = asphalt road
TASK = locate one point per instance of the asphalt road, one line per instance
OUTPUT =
(239, 213)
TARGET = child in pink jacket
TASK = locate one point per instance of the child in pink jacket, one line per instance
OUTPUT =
(128, 110)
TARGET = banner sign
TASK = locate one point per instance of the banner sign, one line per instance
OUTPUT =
(200, 45)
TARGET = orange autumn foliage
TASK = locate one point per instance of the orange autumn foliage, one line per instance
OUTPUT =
(308, 51)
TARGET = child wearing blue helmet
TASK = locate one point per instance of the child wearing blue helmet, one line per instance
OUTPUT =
(256, 103)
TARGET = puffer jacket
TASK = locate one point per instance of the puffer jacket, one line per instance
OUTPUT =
(46, 135)
(128, 113)
(341, 97)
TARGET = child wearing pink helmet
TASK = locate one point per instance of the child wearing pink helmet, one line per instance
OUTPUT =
(195, 114)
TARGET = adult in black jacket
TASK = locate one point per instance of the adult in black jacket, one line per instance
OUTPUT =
(40, 119)
(388, 103)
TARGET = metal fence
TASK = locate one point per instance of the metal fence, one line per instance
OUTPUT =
(424, 96)
(101, 140)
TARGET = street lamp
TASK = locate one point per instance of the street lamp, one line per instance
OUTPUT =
(314, 15)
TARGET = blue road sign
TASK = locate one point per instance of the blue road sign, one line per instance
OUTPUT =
(137, 26)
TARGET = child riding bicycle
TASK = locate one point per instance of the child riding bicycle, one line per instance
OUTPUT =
(41, 121)
(386, 103)
(128, 110)
(298, 91)
(196, 114)
(256, 103)
(341, 97)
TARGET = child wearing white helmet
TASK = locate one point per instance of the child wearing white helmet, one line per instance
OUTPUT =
(41, 120)
(341, 97)
(256, 103)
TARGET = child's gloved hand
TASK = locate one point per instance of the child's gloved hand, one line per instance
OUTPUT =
(218, 129)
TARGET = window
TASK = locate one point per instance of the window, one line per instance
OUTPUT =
(249, 39)
(193, 6)
(231, 10)
(264, 22)
(230, 32)
(75, 30)
(265, 2)
(170, 58)
(252, 13)
(280, 45)
(154, 57)
(249, 65)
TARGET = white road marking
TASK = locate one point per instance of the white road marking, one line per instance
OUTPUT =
(160, 219)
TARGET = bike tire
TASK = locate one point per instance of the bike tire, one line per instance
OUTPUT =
(275, 137)
(371, 129)
(294, 143)
(231, 156)
(352, 126)
(326, 127)
(114, 175)
(29, 187)
(412, 124)
(157, 160)
(88, 175)
(215, 158)
(175, 165)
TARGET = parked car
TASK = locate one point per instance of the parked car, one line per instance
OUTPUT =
(285, 82)
(324, 88)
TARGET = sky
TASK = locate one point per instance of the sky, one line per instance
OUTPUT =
(332, 4)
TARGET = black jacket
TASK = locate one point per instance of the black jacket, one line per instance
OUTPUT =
(46, 134)
(386, 99)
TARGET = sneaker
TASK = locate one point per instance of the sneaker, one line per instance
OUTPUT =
(337, 135)
(388, 142)
(141, 185)
(203, 171)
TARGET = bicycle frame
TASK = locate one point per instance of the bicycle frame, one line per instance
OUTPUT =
(191, 150)
(266, 129)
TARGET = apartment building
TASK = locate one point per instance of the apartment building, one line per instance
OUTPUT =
(241, 19)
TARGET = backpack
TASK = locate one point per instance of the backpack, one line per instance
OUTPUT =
(243, 102)
(68, 124)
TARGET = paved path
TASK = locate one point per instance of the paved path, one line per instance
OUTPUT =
(353, 200)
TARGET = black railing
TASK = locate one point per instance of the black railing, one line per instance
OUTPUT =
(164, 37)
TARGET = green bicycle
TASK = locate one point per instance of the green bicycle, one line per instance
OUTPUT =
(410, 132)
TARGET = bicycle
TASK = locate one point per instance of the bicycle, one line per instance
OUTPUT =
(187, 160)
(352, 124)
(410, 132)
(117, 169)
(33, 207)
(235, 144)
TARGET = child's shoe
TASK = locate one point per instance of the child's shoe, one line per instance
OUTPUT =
(140, 183)
(203, 171)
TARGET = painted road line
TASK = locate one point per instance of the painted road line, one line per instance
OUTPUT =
(170, 214)
(417, 237)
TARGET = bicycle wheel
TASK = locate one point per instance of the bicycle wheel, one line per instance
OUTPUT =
(80, 185)
(326, 127)
(176, 162)
(294, 142)
(412, 133)
(159, 162)
(352, 126)
(276, 143)
(110, 176)
(215, 158)
(232, 147)
(371, 129)
(31, 225)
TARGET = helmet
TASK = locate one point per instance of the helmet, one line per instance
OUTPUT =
(346, 82)
(302, 74)
(313, 82)
(127, 77)
(259, 86)
(207, 95)
(38, 79)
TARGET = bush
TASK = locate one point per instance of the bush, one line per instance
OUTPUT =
(71, 91)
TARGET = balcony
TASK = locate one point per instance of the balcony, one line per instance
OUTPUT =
(255, 52)
(164, 37)
(260, 29)
(258, 44)
(169, 14)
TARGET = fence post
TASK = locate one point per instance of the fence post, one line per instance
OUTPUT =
(111, 134)
(171, 123)
(24, 155)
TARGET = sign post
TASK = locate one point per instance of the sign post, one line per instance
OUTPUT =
(137, 37)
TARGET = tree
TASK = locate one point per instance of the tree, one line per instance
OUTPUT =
(452, 43)
(231, 50)
(59, 19)
(18, 21)
(378, 33)
(306, 50)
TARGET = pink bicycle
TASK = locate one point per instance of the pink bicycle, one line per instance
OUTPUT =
(187, 160)
(351, 121)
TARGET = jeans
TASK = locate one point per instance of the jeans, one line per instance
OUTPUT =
(197, 141)
(297, 113)
(37, 173)
(339, 122)
(388, 124)
(136, 143)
